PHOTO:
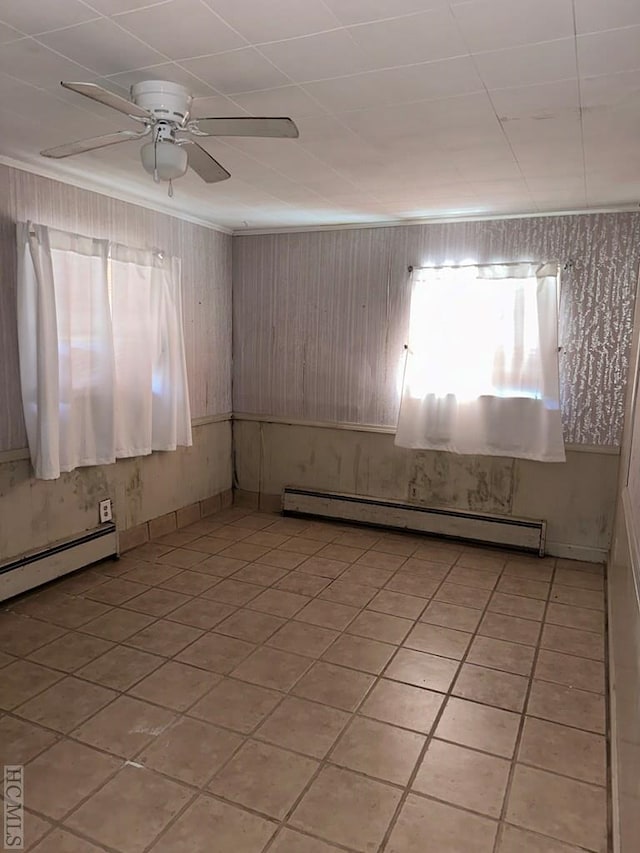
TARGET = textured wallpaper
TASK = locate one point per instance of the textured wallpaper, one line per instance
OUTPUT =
(320, 318)
(206, 283)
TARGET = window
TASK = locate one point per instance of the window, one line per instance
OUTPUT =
(481, 373)
(101, 350)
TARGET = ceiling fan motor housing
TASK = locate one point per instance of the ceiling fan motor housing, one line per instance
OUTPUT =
(167, 101)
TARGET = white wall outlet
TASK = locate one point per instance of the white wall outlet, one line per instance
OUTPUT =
(105, 511)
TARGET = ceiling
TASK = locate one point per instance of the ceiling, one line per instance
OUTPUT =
(407, 109)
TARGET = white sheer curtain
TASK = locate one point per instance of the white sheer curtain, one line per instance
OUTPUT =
(101, 351)
(481, 374)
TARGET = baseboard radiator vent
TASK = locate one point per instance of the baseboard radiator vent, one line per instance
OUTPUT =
(60, 558)
(508, 531)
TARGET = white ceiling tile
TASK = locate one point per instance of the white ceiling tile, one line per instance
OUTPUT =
(289, 101)
(216, 106)
(181, 29)
(330, 54)
(165, 71)
(102, 46)
(542, 101)
(7, 33)
(404, 41)
(612, 89)
(497, 24)
(537, 133)
(115, 7)
(32, 62)
(595, 15)
(277, 19)
(36, 16)
(431, 80)
(609, 52)
(361, 11)
(243, 70)
(528, 65)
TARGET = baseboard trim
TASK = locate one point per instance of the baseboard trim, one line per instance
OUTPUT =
(576, 552)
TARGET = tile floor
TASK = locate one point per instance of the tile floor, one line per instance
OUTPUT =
(253, 683)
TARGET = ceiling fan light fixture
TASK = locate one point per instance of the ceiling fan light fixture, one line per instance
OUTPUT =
(165, 159)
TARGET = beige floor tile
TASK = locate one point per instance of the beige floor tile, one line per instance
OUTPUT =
(571, 641)
(281, 559)
(21, 680)
(516, 840)
(424, 825)
(571, 671)
(510, 628)
(463, 596)
(279, 602)
(151, 574)
(64, 775)
(164, 638)
(346, 553)
(396, 543)
(139, 804)
(451, 616)
(564, 750)
(250, 625)
(575, 617)
(216, 653)
(563, 808)
(269, 540)
(479, 726)
(207, 544)
(463, 777)
(334, 685)
(360, 653)
(221, 567)
(327, 614)
(397, 604)
(115, 591)
(303, 726)
(438, 551)
(345, 592)
(234, 592)
(21, 635)
(302, 583)
(5, 659)
(480, 558)
(117, 624)
(380, 626)
(561, 704)
(20, 741)
(120, 667)
(272, 668)
(175, 685)
(234, 830)
(589, 598)
(124, 727)
(435, 571)
(264, 778)
(368, 575)
(491, 687)
(67, 611)
(376, 559)
(378, 749)
(182, 558)
(323, 566)
(178, 538)
(70, 651)
(346, 808)
(66, 704)
(499, 654)
(201, 613)
(580, 579)
(516, 605)
(303, 639)
(236, 705)
(190, 751)
(412, 584)
(302, 545)
(403, 705)
(358, 538)
(260, 574)
(422, 670)
(156, 601)
(290, 841)
(515, 585)
(473, 577)
(438, 641)
(190, 583)
(61, 841)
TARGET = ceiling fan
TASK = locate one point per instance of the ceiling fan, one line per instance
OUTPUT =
(164, 111)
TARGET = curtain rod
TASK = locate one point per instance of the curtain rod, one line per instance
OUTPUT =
(566, 266)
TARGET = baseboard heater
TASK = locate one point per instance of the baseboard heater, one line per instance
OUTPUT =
(523, 533)
(60, 558)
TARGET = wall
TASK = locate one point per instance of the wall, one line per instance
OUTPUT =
(320, 320)
(34, 513)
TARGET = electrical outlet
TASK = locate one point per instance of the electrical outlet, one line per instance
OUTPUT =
(105, 510)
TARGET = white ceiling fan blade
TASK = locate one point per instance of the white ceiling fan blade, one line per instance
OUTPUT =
(103, 96)
(82, 145)
(245, 126)
(203, 164)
